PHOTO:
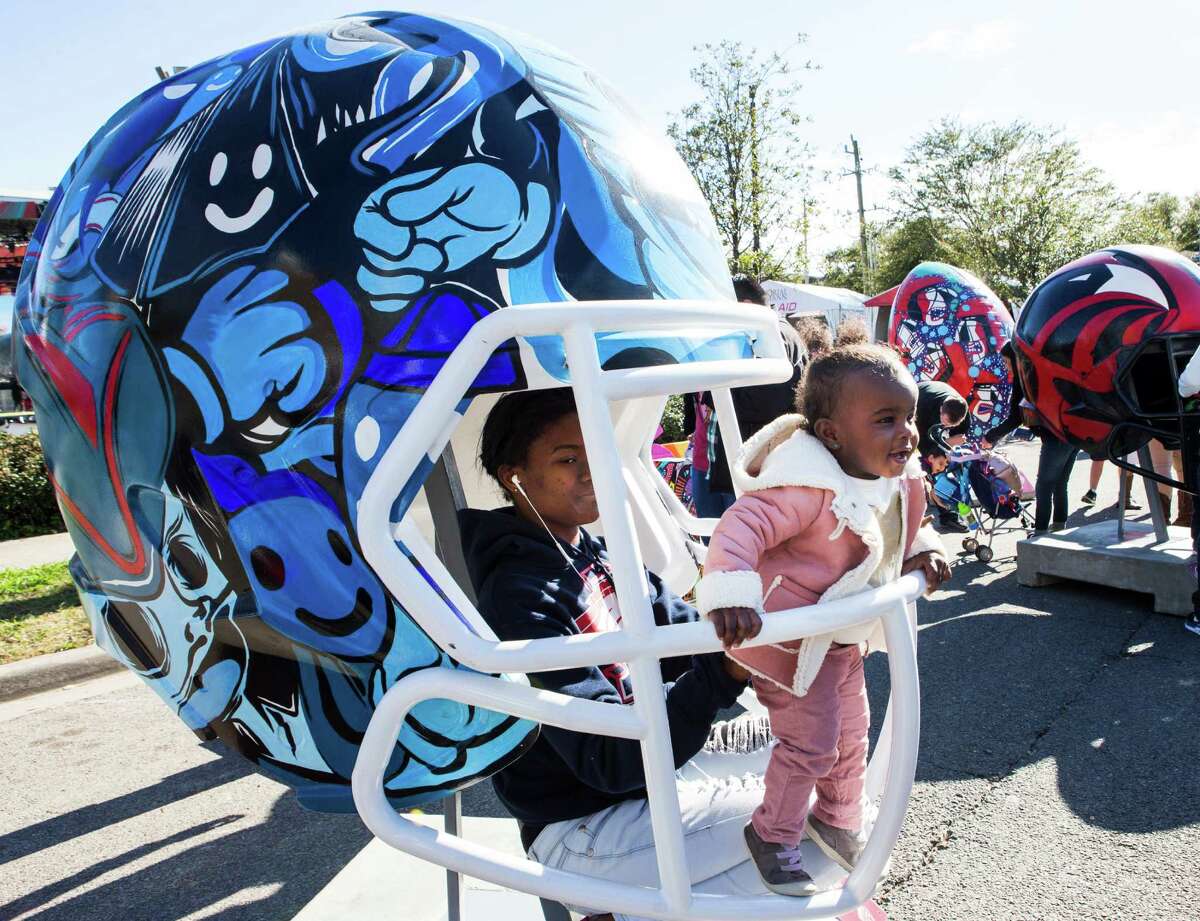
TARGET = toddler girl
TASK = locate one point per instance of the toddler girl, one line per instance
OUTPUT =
(832, 504)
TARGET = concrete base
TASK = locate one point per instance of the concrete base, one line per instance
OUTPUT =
(384, 884)
(1092, 554)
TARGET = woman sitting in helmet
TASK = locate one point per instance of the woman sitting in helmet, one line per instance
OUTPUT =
(580, 799)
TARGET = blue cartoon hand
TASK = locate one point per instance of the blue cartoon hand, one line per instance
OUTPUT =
(283, 366)
(432, 223)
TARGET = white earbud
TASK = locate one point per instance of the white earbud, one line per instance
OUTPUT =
(516, 481)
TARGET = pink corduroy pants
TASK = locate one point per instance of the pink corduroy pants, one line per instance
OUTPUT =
(822, 743)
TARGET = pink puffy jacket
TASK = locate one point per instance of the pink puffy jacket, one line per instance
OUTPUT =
(799, 520)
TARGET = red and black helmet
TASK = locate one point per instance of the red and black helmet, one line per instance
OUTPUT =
(1100, 345)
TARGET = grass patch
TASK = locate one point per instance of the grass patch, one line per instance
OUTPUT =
(39, 612)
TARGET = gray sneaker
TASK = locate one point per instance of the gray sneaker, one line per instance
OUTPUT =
(838, 844)
(780, 865)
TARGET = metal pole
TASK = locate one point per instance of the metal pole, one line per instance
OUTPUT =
(1123, 482)
(453, 820)
(1157, 516)
(444, 493)
(755, 191)
(804, 229)
(862, 218)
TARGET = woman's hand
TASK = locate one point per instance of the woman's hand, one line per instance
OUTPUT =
(934, 564)
(735, 625)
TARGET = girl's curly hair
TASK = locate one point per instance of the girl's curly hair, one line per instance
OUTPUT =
(820, 389)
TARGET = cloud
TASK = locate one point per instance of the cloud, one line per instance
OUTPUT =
(983, 39)
(1154, 152)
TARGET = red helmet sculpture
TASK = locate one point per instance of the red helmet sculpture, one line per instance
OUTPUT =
(1100, 346)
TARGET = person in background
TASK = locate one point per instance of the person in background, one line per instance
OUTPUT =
(852, 331)
(814, 333)
(712, 488)
(1169, 464)
(1013, 419)
(1055, 463)
(941, 425)
(1189, 388)
(1094, 474)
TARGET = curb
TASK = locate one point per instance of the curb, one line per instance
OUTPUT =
(54, 670)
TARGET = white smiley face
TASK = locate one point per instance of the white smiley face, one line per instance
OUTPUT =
(215, 214)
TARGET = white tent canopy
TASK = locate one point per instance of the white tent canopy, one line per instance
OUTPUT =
(835, 304)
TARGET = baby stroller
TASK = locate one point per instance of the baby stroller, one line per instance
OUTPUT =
(952, 490)
(997, 496)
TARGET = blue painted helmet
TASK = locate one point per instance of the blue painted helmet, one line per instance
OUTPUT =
(238, 294)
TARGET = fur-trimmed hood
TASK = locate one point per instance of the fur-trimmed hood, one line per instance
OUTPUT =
(766, 461)
(806, 527)
(786, 454)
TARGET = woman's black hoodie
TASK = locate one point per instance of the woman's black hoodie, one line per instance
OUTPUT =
(526, 590)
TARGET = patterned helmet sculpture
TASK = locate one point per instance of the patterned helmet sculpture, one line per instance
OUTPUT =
(948, 326)
(238, 295)
(1100, 345)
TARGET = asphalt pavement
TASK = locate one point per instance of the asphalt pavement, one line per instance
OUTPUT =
(1059, 777)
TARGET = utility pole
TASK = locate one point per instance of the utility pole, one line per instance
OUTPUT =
(804, 231)
(755, 191)
(862, 217)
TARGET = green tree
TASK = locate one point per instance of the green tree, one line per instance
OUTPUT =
(843, 267)
(1161, 220)
(762, 264)
(1018, 201)
(741, 142)
(905, 244)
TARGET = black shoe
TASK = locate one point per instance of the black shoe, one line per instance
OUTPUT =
(954, 525)
(1089, 497)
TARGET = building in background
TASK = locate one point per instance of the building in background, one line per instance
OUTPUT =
(19, 214)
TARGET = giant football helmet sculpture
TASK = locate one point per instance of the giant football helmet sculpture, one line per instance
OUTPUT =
(1100, 346)
(266, 299)
(949, 326)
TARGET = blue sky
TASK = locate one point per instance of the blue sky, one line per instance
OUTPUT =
(1120, 78)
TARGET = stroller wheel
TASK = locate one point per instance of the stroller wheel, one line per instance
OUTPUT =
(970, 545)
(984, 554)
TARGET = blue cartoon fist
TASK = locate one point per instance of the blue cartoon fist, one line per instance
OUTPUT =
(423, 225)
(259, 352)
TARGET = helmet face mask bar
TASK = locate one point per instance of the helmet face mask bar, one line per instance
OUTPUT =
(413, 573)
(1163, 415)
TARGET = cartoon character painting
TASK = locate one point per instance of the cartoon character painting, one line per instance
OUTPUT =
(948, 326)
(236, 297)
